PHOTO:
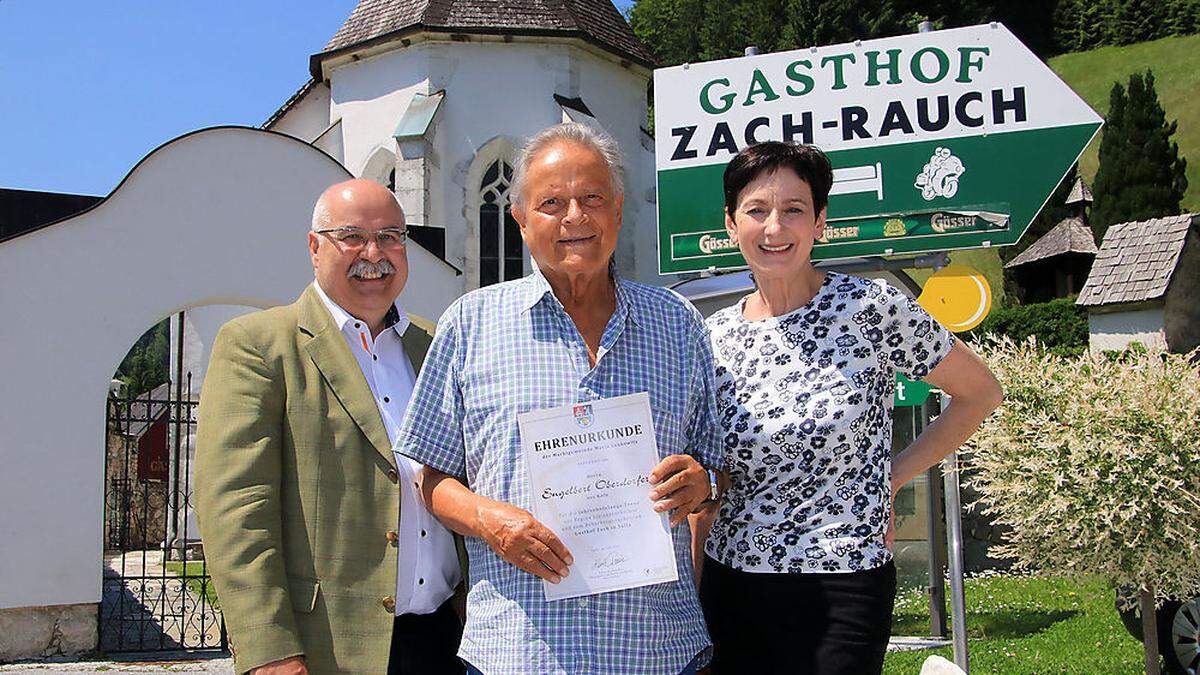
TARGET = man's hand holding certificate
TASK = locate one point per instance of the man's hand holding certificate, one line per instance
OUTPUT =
(592, 469)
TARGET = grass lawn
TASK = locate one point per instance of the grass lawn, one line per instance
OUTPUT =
(1176, 65)
(1025, 625)
(195, 581)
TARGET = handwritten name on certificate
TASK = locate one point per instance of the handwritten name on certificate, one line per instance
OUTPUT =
(588, 470)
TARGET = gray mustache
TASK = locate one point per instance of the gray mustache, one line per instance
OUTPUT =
(365, 267)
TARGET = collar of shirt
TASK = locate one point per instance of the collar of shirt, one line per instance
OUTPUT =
(536, 288)
(396, 318)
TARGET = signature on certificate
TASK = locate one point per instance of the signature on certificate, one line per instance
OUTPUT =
(611, 560)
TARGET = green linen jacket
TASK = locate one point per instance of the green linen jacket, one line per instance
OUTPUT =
(296, 490)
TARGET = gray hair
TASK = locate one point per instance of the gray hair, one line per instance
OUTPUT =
(321, 217)
(571, 132)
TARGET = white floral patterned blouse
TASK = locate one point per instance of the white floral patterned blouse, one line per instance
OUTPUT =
(805, 403)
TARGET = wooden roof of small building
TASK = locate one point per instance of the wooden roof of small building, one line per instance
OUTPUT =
(1071, 235)
(1080, 192)
(1136, 260)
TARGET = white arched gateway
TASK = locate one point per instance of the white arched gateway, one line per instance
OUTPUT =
(215, 217)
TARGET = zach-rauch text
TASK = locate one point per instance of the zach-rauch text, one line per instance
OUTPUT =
(930, 66)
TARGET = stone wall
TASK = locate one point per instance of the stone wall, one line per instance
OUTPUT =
(41, 632)
(135, 514)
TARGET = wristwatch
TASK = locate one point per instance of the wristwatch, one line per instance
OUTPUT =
(714, 489)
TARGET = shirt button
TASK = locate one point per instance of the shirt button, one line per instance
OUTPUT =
(357, 324)
(393, 476)
(387, 400)
(583, 603)
(389, 603)
(375, 357)
(392, 536)
(416, 485)
(423, 533)
(420, 582)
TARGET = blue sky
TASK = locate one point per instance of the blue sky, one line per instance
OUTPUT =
(88, 87)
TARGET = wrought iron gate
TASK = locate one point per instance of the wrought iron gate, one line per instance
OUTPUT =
(157, 595)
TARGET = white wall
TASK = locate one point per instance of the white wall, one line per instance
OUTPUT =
(215, 217)
(496, 90)
(308, 117)
(1116, 330)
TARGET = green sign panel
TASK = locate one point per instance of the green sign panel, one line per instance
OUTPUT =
(939, 141)
(910, 393)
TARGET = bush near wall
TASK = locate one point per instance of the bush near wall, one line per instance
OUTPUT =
(1060, 325)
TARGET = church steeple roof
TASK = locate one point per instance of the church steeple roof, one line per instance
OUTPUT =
(1080, 192)
(596, 21)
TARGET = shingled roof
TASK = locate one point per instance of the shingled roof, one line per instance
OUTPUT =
(1136, 260)
(1080, 192)
(596, 21)
(1071, 235)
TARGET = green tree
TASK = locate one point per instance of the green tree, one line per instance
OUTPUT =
(1137, 20)
(658, 23)
(681, 31)
(1182, 17)
(145, 366)
(1141, 174)
(1092, 466)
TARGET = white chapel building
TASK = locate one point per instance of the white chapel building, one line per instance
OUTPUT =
(435, 97)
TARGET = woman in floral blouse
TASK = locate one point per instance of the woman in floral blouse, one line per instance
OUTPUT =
(798, 576)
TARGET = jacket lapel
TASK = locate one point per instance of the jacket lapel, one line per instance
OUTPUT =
(327, 349)
(416, 344)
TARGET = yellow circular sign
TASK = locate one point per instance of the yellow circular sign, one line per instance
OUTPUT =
(958, 296)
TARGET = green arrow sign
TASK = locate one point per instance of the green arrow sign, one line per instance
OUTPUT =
(939, 141)
(910, 393)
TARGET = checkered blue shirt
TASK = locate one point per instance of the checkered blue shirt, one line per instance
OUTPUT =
(511, 348)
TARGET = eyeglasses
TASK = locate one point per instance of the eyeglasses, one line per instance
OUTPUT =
(354, 238)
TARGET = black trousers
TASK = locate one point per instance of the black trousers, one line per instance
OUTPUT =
(819, 624)
(426, 644)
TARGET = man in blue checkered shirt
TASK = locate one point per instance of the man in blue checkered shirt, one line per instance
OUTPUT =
(570, 332)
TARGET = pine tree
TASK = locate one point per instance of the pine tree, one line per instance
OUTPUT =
(1141, 174)
(145, 366)
(1182, 17)
(1136, 20)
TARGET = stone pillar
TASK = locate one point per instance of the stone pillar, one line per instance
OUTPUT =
(41, 632)
(412, 179)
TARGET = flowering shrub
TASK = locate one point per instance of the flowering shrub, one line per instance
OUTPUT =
(1093, 462)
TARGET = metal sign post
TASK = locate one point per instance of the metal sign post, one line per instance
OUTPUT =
(954, 545)
(943, 140)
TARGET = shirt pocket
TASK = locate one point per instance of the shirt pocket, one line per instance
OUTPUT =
(669, 432)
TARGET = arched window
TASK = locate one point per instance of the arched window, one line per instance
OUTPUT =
(501, 251)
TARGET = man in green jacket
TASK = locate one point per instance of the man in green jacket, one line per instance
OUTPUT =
(319, 546)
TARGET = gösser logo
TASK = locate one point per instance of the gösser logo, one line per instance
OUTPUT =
(710, 244)
(941, 222)
(583, 415)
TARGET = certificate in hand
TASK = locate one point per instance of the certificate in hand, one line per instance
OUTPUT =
(588, 470)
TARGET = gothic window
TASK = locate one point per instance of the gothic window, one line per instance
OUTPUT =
(501, 251)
